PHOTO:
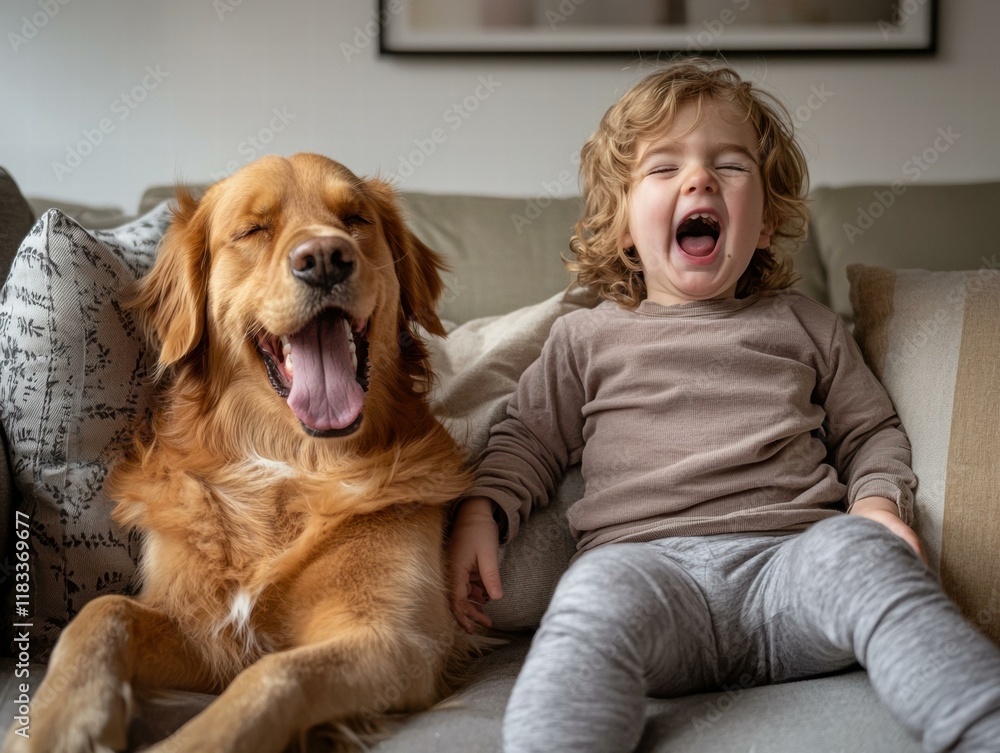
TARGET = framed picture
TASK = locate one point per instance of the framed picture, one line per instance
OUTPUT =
(652, 27)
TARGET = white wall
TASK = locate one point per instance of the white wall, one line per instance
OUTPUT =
(222, 79)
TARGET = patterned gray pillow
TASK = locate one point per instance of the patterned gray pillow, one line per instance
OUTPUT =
(72, 382)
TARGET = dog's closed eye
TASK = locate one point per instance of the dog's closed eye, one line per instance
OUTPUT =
(356, 219)
(255, 229)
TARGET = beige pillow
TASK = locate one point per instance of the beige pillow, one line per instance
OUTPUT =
(933, 339)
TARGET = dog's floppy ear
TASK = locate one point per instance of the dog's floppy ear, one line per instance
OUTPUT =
(418, 268)
(171, 299)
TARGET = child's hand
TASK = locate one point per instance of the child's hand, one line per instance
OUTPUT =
(473, 553)
(884, 511)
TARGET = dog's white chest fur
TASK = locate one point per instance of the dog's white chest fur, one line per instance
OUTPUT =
(239, 624)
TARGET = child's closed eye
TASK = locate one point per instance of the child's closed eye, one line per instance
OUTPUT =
(731, 167)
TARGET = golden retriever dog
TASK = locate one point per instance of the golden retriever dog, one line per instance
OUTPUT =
(292, 486)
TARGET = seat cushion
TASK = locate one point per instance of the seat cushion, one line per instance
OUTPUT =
(831, 714)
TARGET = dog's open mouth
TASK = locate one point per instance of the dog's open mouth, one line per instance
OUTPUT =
(322, 370)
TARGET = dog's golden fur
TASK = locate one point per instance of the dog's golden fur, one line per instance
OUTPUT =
(301, 576)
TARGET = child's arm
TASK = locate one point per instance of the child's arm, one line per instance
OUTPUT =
(865, 440)
(529, 451)
(473, 553)
(526, 456)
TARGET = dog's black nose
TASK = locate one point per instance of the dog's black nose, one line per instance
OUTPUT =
(323, 262)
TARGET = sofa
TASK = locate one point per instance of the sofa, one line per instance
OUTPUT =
(913, 270)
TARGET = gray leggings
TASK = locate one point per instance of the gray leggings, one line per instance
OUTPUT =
(687, 615)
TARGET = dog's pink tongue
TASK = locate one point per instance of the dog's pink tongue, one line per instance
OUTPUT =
(698, 245)
(325, 394)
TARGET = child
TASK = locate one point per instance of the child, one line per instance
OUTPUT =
(723, 422)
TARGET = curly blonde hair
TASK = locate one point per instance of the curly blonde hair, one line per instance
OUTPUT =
(647, 109)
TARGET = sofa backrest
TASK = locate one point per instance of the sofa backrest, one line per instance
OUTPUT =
(505, 253)
(903, 226)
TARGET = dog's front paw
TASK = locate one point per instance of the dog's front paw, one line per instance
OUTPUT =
(17, 742)
(80, 721)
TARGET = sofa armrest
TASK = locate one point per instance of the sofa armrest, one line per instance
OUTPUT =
(16, 220)
(6, 497)
(931, 338)
(90, 217)
(7, 506)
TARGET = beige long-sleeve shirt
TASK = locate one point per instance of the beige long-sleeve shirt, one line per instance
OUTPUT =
(737, 415)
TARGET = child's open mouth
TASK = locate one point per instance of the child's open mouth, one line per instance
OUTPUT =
(698, 238)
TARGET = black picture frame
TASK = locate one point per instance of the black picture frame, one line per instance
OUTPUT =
(716, 28)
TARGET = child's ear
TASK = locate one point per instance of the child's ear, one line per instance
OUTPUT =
(626, 240)
(766, 230)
